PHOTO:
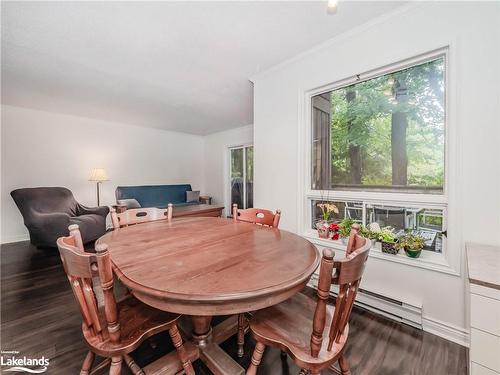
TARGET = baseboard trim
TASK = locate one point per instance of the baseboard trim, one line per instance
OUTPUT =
(9, 239)
(447, 331)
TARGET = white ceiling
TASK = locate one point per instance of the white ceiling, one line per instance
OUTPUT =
(180, 66)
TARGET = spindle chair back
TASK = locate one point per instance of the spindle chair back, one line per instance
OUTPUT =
(140, 215)
(347, 274)
(80, 268)
(286, 325)
(257, 216)
(118, 327)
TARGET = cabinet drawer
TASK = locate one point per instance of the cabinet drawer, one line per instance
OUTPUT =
(485, 291)
(485, 314)
(484, 349)
(476, 369)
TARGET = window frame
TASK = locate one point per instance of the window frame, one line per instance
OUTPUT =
(445, 261)
(388, 69)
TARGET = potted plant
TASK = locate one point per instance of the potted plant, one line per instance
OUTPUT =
(327, 210)
(345, 229)
(334, 229)
(389, 240)
(412, 244)
(371, 235)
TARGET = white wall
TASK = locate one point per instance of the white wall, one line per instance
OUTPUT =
(472, 32)
(49, 149)
(216, 161)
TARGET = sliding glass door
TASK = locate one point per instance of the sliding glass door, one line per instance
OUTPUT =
(241, 176)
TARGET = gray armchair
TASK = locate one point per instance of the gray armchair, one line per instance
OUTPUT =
(48, 211)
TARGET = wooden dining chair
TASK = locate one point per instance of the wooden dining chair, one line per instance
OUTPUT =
(257, 216)
(261, 217)
(118, 327)
(314, 334)
(140, 215)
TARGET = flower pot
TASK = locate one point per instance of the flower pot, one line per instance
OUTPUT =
(322, 228)
(413, 253)
(373, 241)
(389, 248)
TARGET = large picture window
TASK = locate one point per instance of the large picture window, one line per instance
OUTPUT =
(378, 149)
(386, 133)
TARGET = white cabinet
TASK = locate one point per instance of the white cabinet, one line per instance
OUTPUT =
(485, 349)
(483, 266)
(485, 330)
(485, 314)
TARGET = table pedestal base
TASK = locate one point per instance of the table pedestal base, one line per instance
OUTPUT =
(202, 330)
(202, 343)
(219, 362)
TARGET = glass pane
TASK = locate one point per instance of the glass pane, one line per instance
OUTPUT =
(249, 176)
(424, 222)
(350, 209)
(386, 133)
(321, 142)
(237, 177)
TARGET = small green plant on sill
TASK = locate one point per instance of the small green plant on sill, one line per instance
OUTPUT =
(387, 235)
(411, 241)
(345, 227)
(412, 244)
(389, 240)
(367, 233)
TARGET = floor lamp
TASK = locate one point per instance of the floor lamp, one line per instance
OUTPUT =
(98, 175)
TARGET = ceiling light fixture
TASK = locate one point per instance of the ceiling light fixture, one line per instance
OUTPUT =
(332, 6)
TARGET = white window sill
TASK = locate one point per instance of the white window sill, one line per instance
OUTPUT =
(427, 260)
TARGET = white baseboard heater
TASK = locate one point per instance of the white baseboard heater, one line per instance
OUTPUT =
(389, 307)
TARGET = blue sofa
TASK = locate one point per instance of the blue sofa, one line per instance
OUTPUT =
(155, 195)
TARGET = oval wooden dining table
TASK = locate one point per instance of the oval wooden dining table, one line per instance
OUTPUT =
(206, 266)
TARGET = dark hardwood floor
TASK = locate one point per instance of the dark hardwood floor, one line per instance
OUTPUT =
(40, 317)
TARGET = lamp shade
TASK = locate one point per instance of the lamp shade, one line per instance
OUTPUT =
(332, 6)
(98, 174)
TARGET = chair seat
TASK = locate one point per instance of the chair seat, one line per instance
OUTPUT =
(138, 321)
(289, 327)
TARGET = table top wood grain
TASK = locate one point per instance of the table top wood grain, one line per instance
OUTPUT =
(210, 266)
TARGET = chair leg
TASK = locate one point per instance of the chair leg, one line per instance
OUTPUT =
(181, 350)
(116, 366)
(344, 366)
(134, 367)
(87, 363)
(241, 334)
(256, 358)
